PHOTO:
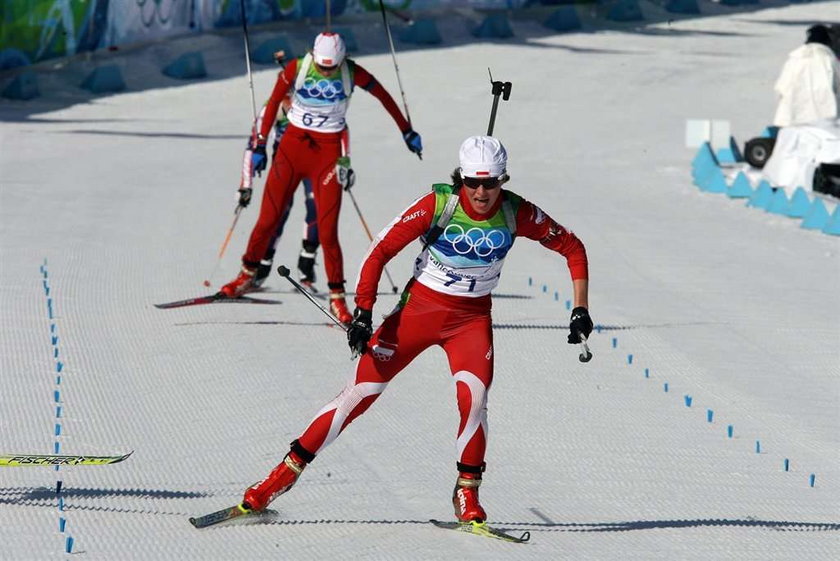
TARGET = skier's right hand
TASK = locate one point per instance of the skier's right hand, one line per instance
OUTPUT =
(244, 196)
(359, 332)
(413, 142)
(258, 159)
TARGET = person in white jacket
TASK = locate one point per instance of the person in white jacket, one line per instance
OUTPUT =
(809, 85)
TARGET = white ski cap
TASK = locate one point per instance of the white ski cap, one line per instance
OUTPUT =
(482, 156)
(329, 49)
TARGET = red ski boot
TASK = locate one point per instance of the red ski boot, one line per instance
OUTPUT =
(243, 282)
(465, 498)
(280, 480)
(338, 306)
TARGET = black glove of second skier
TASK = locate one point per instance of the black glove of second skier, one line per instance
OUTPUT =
(245, 196)
(359, 332)
(581, 324)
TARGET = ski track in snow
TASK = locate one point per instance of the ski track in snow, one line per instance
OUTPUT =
(112, 204)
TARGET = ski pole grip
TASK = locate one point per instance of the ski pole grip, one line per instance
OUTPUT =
(585, 354)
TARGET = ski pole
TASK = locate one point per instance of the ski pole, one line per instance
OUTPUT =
(254, 111)
(225, 243)
(585, 354)
(248, 58)
(396, 66)
(497, 89)
(370, 237)
(329, 22)
(284, 272)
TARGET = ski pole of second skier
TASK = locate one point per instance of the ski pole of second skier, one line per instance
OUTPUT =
(370, 237)
(225, 243)
(284, 272)
(248, 57)
(396, 66)
(585, 354)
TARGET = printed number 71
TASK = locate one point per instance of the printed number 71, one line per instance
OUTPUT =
(456, 278)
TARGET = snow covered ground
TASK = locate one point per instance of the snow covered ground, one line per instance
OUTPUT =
(116, 203)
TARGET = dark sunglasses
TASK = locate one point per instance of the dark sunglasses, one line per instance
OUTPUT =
(326, 68)
(488, 182)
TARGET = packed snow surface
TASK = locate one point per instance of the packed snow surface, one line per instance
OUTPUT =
(711, 315)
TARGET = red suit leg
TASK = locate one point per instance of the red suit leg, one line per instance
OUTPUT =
(401, 337)
(470, 353)
(283, 179)
(327, 192)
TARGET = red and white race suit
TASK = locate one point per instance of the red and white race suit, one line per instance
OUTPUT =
(310, 148)
(437, 309)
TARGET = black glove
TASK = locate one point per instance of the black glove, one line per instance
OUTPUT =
(359, 332)
(245, 196)
(259, 159)
(581, 324)
(413, 141)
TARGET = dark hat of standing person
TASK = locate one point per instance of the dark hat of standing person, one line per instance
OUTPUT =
(818, 34)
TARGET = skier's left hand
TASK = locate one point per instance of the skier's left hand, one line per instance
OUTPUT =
(359, 332)
(414, 142)
(581, 324)
(244, 196)
(346, 175)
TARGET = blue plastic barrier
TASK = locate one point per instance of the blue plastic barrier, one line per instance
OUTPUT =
(625, 10)
(494, 26)
(23, 87)
(778, 203)
(833, 225)
(716, 182)
(12, 58)
(104, 79)
(563, 19)
(741, 187)
(761, 196)
(817, 217)
(799, 204)
(188, 66)
(682, 6)
(422, 32)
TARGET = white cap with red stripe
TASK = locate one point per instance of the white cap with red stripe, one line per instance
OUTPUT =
(329, 49)
(482, 156)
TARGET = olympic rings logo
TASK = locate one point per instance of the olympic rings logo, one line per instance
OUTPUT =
(475, 240)
(324, 89)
